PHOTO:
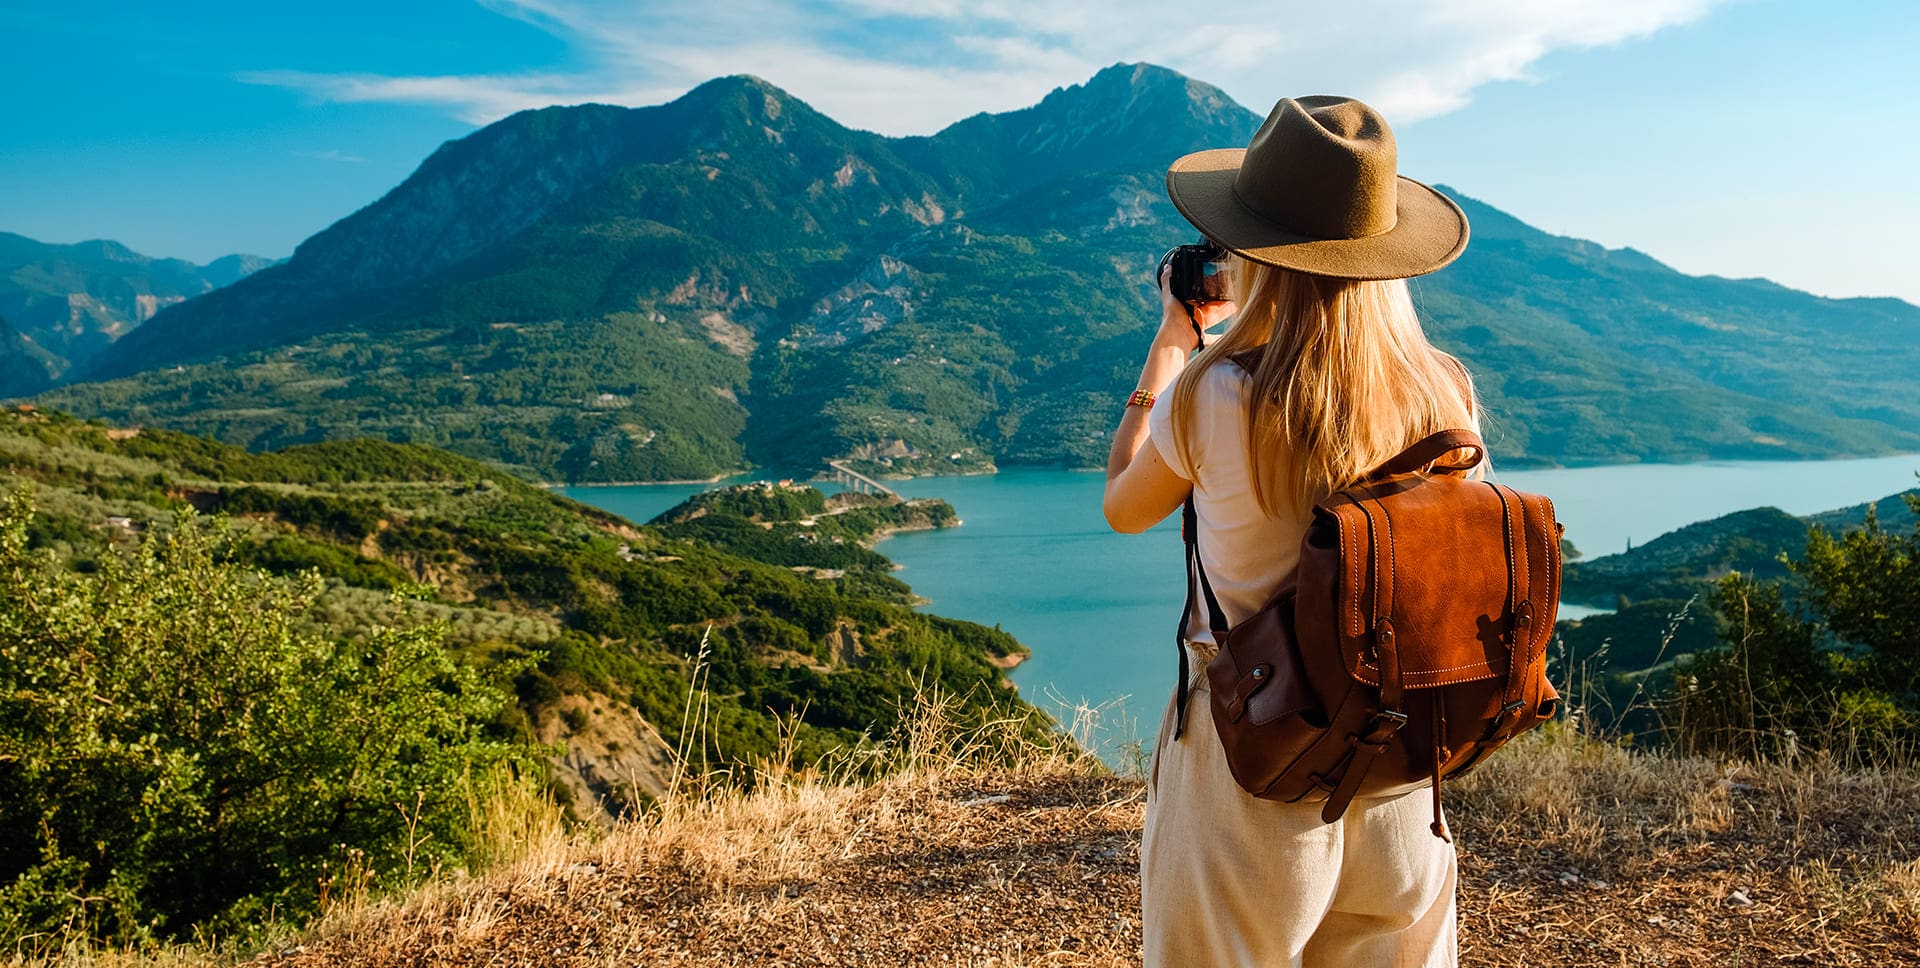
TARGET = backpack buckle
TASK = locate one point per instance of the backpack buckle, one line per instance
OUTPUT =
(1383, 726)
(1506, 715)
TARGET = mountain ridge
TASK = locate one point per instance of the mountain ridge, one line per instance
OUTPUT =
(734, 278)
(66, 302)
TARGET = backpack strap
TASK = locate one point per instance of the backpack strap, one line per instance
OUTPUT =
(1216, 618)
(1519, 611)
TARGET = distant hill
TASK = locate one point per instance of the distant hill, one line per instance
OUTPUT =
(229, 269)
(1658, 593)
(600, 294)
(1677, 563)
(1895, 513)
(69, 302)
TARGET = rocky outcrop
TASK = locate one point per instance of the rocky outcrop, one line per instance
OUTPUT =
(611, 759)
(878, 297)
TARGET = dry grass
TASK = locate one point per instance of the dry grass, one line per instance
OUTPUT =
(915, 870)
(1573, 852)
(1580, 852)
(948, 860)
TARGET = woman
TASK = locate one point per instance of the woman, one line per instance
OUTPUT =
(1322, 374)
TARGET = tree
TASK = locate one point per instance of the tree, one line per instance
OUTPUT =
(1866, 586)
(1838, 670)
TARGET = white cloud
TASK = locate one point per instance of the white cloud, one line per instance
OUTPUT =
(903, 67)
(476, 98)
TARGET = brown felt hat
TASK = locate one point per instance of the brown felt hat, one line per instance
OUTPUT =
(1316, 191)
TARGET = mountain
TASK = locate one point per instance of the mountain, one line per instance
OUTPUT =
(1559, 330)
(72, 301)
(600, 294)
(229, 269)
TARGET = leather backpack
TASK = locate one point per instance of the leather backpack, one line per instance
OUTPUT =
(1410, 643)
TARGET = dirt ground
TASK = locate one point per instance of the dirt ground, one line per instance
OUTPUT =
(1575, 857)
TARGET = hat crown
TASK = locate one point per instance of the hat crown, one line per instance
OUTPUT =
(1324, 167)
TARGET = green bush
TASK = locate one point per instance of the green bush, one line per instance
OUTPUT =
(287, 554)
(180, 750)
(1837, 670)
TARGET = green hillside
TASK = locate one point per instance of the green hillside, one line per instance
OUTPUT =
(1681, 562)
(24, 366)
(605, 294)
(1593, 355)
(802, 622)
(1661, 594)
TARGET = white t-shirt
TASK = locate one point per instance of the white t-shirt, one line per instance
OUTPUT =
(1247, 554)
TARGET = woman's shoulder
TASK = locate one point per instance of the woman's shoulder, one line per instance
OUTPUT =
(1219, 401)
(1227, 378)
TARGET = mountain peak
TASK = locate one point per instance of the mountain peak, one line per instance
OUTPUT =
(1136, 74)
(725, 109)
(1134, 117)
(1127, 86)
(109, 250)
(731, 84)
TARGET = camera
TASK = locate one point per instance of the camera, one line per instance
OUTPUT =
(1199, 272)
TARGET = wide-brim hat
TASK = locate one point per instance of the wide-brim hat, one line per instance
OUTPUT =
(1317, 191)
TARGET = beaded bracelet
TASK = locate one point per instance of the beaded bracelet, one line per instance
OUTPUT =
(1141, 398)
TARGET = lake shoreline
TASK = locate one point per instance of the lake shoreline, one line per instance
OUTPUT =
(882, 534)
(557, 485)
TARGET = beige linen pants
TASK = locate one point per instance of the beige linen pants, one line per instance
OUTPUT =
(1228, 880)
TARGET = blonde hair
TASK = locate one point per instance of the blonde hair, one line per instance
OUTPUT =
(1343, 378)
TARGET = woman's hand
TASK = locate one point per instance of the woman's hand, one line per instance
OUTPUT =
(1176, 327)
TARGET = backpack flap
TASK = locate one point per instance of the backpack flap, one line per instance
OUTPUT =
(1468, 571)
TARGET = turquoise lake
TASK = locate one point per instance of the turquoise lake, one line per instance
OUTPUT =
(1034, 556)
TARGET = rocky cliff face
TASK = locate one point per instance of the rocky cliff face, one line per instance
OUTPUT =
(878, 297)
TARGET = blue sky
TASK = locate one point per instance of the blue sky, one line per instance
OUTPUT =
(1739, 137)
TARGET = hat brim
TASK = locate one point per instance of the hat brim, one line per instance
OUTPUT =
(1429, 232)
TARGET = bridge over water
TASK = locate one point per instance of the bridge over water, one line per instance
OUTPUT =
(856, 481)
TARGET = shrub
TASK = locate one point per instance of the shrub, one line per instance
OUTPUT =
(179, 748)
(1838, 670)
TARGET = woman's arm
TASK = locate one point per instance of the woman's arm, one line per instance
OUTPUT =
(1141, 488)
